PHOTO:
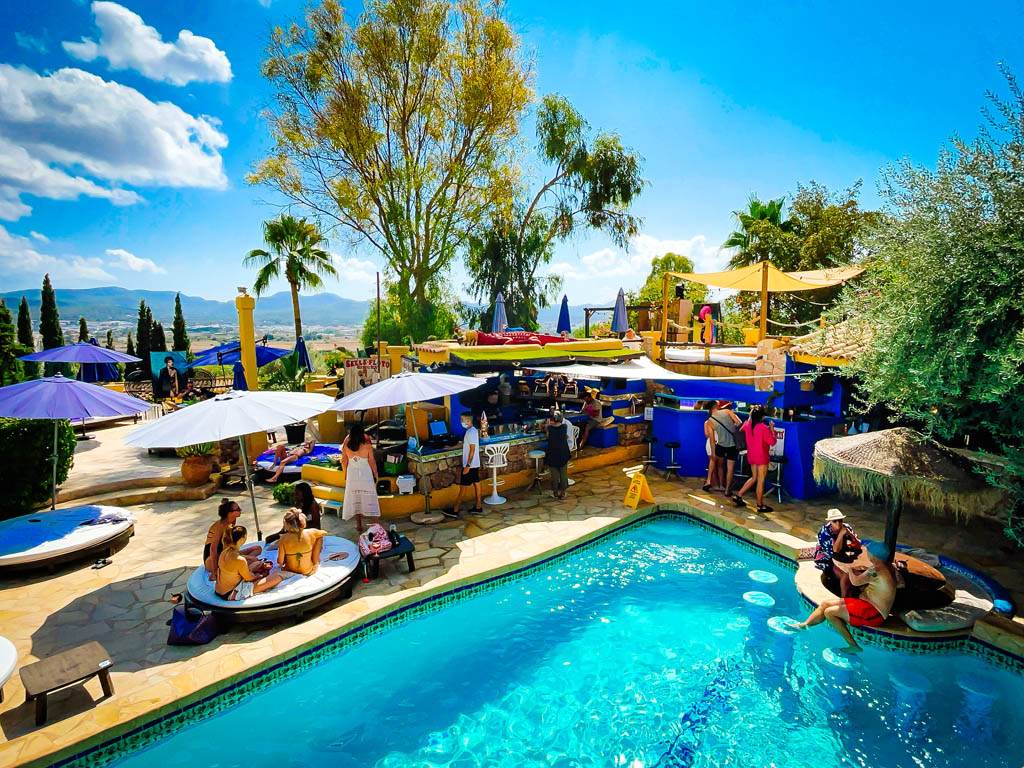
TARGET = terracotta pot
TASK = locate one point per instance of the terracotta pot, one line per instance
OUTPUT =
(195, 470)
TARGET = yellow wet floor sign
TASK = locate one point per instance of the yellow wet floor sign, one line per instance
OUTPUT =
(638, 491)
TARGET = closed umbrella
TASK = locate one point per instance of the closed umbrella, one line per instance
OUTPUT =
(303, 354)
(564, 324)
(92, 372)
(57, 397)
(240, 382)
(619, 322)
(500, 321)
(233, 414)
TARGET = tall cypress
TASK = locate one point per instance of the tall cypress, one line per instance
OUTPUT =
(11, 370)
(110, 338)
(130, 349)
(27, 338)
(83, 329)
(49, 325)
(157, 339)
(180, 342)
(143, 327)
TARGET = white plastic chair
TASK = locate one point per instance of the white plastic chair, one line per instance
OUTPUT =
(574, 443)
(496, 458)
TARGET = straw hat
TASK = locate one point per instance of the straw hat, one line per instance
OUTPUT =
(833, 515)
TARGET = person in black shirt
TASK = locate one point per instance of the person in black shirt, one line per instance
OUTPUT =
(169, 380)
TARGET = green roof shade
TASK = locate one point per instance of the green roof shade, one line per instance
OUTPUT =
(510, 357)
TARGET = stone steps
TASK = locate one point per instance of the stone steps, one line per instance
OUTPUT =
(148, 495)
(126, 484)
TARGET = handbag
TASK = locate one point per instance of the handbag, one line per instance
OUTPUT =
(191, 626)
(374, 540)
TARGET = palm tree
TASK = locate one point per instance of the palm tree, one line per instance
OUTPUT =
(757, 211)
(294, 251)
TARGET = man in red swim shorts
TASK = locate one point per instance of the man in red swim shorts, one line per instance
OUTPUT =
(873, 573)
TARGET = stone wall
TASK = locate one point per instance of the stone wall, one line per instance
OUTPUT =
(444, 469)
(632, 434)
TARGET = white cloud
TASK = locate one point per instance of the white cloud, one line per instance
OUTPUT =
(352, 269)
(566, 271)
(71, 133)
(37, 236)
(31, 42)
(126, 42)
(19, 255)
(123, 259)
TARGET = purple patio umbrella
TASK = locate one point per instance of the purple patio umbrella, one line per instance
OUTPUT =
(57, 397)
(80, 352)
(619, 322)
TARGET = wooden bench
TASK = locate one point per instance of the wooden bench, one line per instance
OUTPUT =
(75, 666)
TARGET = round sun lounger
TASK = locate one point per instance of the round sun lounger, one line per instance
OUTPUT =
(293, 597)
(46, 539)
(266, 459)
(8, 661)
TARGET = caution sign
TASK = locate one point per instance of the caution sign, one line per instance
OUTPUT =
(638, 491)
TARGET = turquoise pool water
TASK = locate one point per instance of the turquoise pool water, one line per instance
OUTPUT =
(640, 652)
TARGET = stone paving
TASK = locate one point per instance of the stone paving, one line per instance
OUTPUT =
(125, 605)
(106, 459)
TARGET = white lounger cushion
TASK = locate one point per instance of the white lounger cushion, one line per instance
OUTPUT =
(329, 574)
(972, 601)
(8, 659)
(44, 535)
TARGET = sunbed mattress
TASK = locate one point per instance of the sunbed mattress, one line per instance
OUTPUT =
(8, 659)
(329, 574)
(43, 535)
(266, 459)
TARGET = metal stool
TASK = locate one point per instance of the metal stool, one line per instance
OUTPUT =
(672, 466)
(537, 455)
(574, 447)
(650, 440)
(497, 458)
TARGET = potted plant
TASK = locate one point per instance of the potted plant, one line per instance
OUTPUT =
(198, 463)
(288, 376)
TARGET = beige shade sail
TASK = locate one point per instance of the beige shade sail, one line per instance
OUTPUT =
(752, 278)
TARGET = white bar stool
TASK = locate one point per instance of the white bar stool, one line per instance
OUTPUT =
(538, 476)
(497, 458)
(574, 447)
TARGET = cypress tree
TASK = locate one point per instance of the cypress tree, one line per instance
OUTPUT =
(83, 329)
(49, 325)
(143, 327)
(181, 342)
(110, 338)
(11, 370)
(27, 338)
(157, 339)
(130, 349)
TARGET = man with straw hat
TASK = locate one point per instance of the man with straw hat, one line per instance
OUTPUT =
(836, 535)
(873, 573)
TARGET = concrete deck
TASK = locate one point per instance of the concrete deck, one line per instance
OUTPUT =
(125, 605)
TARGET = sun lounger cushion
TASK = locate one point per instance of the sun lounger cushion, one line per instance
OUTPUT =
(48, 534)
(972, 601)
(329, 574)
(8, 659)
(266, 459)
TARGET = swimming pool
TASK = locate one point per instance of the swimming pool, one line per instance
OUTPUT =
(641, 651)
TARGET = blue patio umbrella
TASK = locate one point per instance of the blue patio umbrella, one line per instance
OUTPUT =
(303, 354)
(229, 354)
(500, 322)
(93, 372)
(619, 322)
(57, 398)
(239, 383)
(564, 324)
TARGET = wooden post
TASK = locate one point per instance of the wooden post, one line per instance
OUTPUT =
(664, 317)
(892, 525)
(763, 330)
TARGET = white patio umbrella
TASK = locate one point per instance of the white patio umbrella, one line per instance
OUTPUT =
(233, 414)
(404, 388)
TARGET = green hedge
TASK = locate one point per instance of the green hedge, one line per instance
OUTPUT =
(284, 493)
(25, 449)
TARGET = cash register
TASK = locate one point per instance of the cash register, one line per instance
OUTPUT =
(440, 436)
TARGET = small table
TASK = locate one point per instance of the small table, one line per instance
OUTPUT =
(75, 666)
(405, 547)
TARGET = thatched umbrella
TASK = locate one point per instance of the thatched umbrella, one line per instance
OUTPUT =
(901, 465)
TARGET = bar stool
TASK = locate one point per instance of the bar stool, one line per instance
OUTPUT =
(672, 466)
(574, 447)
(650, 440)
(538, 476)
(497, 458)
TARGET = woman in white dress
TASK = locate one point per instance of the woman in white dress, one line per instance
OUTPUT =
(360, 477)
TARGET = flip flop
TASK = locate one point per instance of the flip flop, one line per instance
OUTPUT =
(738, 501)
(764, 508)
(706, 487)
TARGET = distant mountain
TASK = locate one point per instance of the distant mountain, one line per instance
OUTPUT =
(99, 305)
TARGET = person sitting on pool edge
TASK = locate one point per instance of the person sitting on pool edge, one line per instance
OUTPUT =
(228, 513)
(836, 536)
(873, 573)
(235, 580)
(284, 456)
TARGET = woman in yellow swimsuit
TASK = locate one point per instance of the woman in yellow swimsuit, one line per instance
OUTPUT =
(298, 549)
(235, 581)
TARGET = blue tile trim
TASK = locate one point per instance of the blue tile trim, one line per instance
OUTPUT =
(154, 730)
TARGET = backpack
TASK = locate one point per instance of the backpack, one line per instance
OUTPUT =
(741, 438)
(378, 537)
(190, 626)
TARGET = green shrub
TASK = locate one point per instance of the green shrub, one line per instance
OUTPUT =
(25, 449)
(199, 449)
(284, 493)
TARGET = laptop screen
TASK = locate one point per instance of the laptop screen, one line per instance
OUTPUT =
(438, 428)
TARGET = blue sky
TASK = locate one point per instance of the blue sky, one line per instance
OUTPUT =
(124, 139)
